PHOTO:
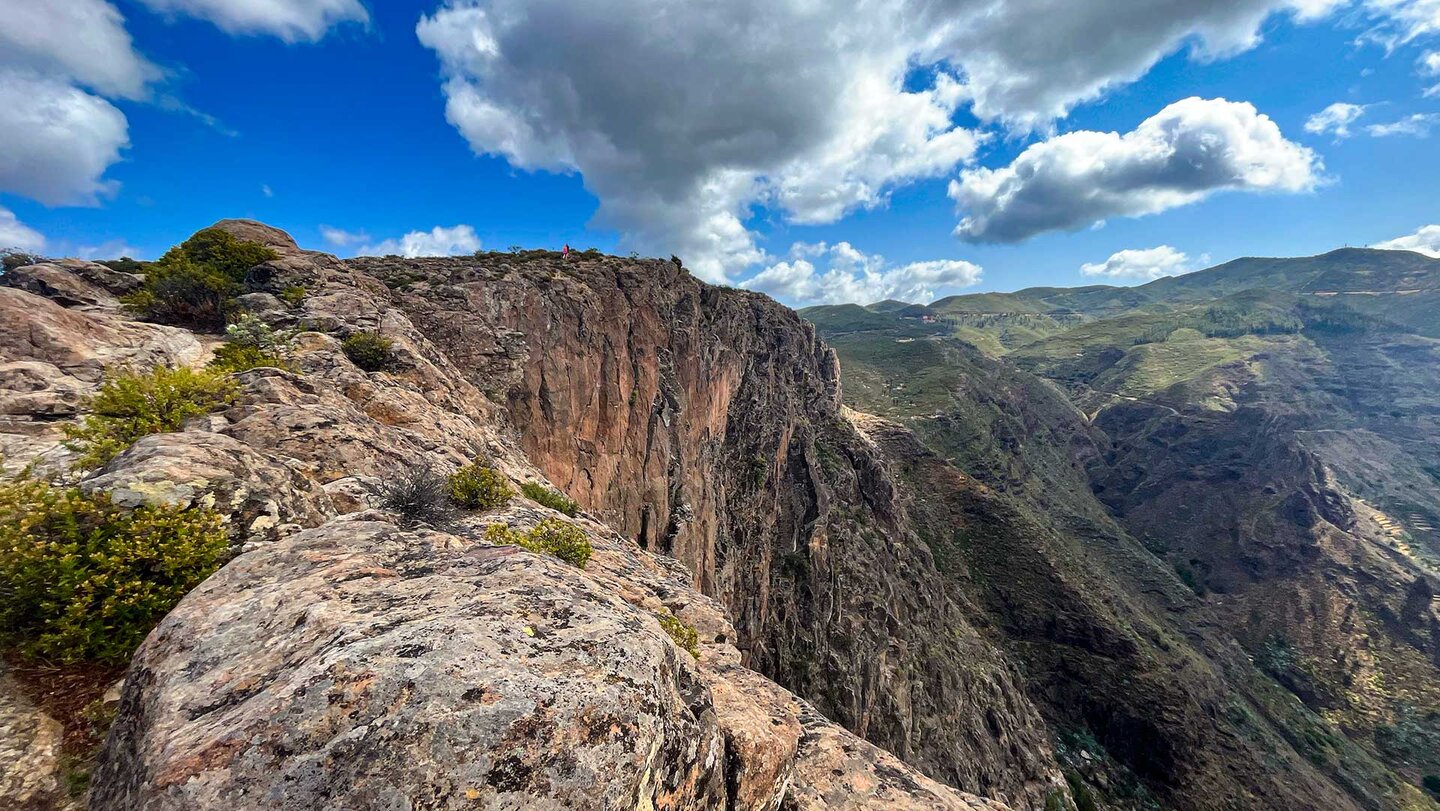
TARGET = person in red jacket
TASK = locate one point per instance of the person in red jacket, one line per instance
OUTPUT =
(565, 254)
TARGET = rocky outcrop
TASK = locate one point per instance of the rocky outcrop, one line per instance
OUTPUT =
(356, 664)
(359, 666)
(261, 498)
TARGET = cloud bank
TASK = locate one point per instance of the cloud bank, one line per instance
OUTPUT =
(809, 110)
(438, 241)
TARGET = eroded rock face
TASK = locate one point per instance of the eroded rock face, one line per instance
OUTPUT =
(706, 424)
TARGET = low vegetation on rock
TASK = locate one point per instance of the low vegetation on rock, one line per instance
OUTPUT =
(545, 496)
(684, 635)
(480, 487)
(294, 295)
(549, 537)
(370, 351)
(84, 579)
(129, 406)
(249, 343)
(195, 283)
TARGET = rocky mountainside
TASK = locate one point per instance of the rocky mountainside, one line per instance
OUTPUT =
(347, 657)
(1218, 520)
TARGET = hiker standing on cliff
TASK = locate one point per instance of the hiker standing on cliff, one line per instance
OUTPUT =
(565, 254)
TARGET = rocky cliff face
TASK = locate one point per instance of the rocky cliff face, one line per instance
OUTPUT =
(706, 423)
(341, 661)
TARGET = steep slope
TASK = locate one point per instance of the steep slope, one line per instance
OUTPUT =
(705, 423)
(1168, 694)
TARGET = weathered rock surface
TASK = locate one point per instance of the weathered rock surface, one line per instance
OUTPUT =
(29, 750)
(260, 497)
(59, 284)
(359, 666)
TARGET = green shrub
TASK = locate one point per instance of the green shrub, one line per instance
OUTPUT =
(194, 284)
(368, 350)
(294, 296)
(1432, 784)
(129, 406)
(540, 494)
(249, 343)
(549, 537)
(684, 635)
(184, 294)
(478, 487)
(83, 579)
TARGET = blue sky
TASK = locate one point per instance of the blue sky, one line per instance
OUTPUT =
(816, 157)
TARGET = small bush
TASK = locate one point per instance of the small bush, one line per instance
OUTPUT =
(419, 496)
(540, 494)
(83, 579)
(193, 285)
(368, 350)
(125, 265)
(129, 406)
(249, 343)
(549, 537)
(294, 296)
(184, 294)
(478, 487)
(1432, 784)
(12, 258)
(684, 635)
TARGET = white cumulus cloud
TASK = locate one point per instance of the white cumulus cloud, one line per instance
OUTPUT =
(59, 140)
(17, 235)
(690, 120)
(1426, 241)
(79, 41)
(1185, 153)
(1336, 119)
(820, 273)
(789, 103)
(289, 20)
(1144, 264)
(438, 241)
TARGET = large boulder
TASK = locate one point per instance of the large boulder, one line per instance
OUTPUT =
(84, 344)
(254, 231)
(358, 666)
